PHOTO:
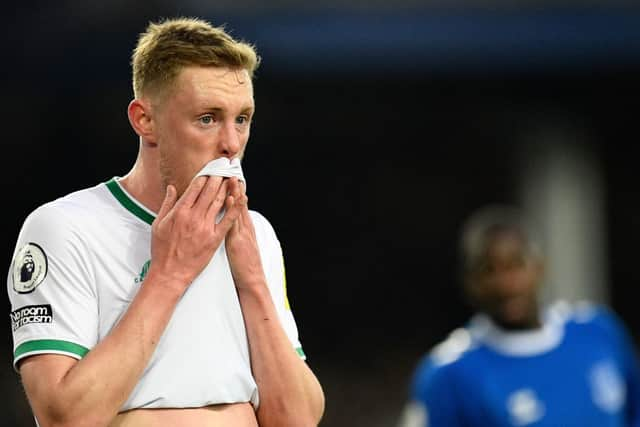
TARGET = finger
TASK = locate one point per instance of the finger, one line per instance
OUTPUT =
(237, 191)
(231, 214)
(207, 195)
(168, 202)
(218, 201)
(239, 204)
(190, 195)
(235, 188)
(243, 217)
(243, 202)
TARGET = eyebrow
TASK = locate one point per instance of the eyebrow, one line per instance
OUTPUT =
(245, 110)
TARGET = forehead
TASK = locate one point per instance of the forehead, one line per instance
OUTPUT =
(504, 243)
(214, 84)
(497, 249)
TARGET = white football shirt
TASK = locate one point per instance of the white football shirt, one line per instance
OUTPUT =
(78, 264)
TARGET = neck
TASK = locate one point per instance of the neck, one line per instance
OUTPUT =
(143, 182)
(529, 322)
(518, 326)
(519, 342)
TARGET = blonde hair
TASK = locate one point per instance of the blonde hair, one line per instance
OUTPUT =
(166, 47)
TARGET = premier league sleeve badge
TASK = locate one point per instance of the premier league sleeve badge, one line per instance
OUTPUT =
(29, 268)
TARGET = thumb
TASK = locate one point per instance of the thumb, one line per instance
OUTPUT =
(168, 202)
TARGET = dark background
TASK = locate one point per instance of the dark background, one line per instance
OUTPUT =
(378, 129)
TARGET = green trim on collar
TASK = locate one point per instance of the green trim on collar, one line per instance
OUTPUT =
(127, 202)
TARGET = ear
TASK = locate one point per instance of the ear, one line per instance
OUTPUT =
(141, 119)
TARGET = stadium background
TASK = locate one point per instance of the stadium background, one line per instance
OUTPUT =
(380, 126)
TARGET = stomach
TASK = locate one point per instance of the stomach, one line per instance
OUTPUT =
(231, 414)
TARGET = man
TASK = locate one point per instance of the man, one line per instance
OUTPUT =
(518, 365)
(158, 298)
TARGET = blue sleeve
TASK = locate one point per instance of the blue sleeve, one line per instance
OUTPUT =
(626, 349)
(434, 388)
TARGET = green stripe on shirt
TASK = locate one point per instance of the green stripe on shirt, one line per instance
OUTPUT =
(50, 345)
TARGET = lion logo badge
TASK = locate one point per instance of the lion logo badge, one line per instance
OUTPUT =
(29, 268)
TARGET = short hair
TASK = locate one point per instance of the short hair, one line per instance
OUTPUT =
(485, 223)
(168, 46)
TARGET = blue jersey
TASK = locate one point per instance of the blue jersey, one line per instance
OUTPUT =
(578, 370)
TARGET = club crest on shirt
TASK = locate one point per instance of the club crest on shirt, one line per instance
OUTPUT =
(29, 268)
(608, 390)
(524, 407)
(143, 272)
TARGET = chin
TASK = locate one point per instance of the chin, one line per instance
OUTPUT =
(514, 324)
(514, 319)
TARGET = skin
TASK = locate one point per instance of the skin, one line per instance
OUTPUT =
(206, 115)
(504, 285)
(506, 281)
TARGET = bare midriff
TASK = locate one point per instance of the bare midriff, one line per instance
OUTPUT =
(233, 414)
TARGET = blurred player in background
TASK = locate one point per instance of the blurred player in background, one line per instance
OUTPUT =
(516, 363)
(158, 299)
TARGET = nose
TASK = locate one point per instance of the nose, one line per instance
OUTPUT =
(230, 141)
(506, 283)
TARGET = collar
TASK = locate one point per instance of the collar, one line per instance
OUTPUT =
(523, 343)
(219, 167)
(128, 202)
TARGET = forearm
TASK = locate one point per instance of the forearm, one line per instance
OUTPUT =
(290, 394)
(94, 389)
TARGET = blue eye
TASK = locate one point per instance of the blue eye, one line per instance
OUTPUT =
(206, 120)
(241, 120)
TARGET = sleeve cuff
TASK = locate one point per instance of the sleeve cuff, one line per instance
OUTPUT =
(30, 348)
(301, 353)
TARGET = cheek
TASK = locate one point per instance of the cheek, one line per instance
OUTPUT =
(179, 162)
(243, 145)
(530, 275)
(182, 141)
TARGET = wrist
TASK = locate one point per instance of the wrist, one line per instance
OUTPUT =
(257, 290)
(171, 285)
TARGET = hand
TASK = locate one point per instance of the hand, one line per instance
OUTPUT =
(242, 245)
(185, 234)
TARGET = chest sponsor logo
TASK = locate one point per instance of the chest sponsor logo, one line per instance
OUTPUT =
(29, 268)
(31, 314)
(608, 390)
(525, 407)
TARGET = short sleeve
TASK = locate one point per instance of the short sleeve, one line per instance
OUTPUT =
(51, 288)
(615, 330)
(432, 396)
(273, 263)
